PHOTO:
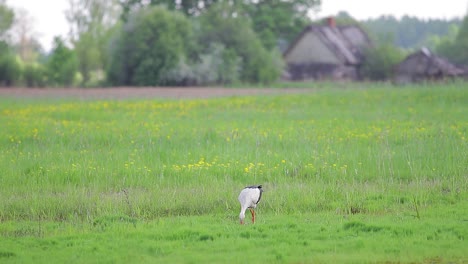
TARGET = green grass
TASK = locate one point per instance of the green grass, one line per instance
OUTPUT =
(312, 238)
(351, 174)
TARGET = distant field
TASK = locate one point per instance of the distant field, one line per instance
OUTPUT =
(369, 173)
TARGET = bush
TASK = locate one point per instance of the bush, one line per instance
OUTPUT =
(148, 48)
(62, 65)
(34, 75)
(218, 25)
(161, 47)
(380, 61)
(456, 50)
(219, 66)
(10, 70)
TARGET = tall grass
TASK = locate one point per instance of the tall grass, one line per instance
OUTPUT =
(371, 150)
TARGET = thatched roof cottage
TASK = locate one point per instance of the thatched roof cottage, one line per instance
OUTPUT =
(424, 65)
(326, 51)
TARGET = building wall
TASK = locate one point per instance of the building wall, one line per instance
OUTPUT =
(419, 67)
(297, 72)
(413, 65)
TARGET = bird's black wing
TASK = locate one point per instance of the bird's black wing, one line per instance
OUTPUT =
(260, 196)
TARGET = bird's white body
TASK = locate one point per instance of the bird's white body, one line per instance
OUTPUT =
(249, 198)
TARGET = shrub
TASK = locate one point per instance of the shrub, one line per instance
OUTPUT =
(148, 47)
(62, 65)
(34, 75)
(218, 66)
(219, 25)
(10, 70)
(380, 61)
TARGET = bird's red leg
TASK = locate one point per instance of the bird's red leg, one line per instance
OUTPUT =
(253, 215)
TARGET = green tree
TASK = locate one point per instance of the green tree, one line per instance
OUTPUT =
(235, 33)
(433, 41)
(456, 50)
(34, 75)
(410, 32)
(10, 71)
(380, 61)
(6, 19)
(61, 65)
(9, 68)
(91, 23)
(188, 7)
(217, 65)
(148, 47)
(24, 37)
(275, 21)
(278, 21)
(461, 43)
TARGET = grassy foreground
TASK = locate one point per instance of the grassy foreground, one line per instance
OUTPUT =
(377, 174)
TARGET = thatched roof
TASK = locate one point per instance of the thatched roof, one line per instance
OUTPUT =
(426, 63)
(345, 42)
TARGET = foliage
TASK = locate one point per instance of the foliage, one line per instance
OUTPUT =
(6, 19)
(10, 70)
(34, 75)
(456, 50)
(235, 33)
(380, 61)
(195, 8)
(148, 47)
(224, 66)
(24, 38)
(88, 57)
(156, 47)
(61, 65)
(409, 32)
(274, 21)
(279, 21)
(344, 18)
(435, 41)
(92, 23)
(188, 8)
(218, 66)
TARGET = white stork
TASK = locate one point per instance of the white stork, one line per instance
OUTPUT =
(249, 198)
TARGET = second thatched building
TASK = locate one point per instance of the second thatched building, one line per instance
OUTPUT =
(423, 65)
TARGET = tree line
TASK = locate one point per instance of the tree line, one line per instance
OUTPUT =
(412, 32)
(393, 39)
(158, 42)
(179, 42)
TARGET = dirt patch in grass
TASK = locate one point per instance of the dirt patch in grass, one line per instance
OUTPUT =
(146, 92)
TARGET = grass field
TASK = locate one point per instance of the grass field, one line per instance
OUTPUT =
(351, 174)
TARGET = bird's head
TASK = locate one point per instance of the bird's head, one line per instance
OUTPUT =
(242, 217)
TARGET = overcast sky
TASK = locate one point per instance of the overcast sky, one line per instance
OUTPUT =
(49, 19)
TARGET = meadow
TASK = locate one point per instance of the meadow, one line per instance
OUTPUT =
(352, 174)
